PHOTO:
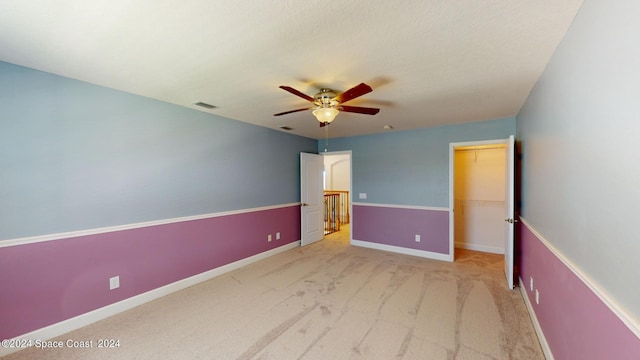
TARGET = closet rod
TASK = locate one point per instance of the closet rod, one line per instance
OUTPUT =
(484, 148)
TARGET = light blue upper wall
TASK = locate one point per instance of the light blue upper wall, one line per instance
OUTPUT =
(79, 156)
(411, 167)
(579, 130)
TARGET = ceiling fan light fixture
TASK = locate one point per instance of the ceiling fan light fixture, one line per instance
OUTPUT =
(325, 114)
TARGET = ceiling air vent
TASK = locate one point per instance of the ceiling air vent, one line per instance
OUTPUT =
(204, 105)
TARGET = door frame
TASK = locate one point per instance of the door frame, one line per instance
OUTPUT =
(452, 147)
(350, 153)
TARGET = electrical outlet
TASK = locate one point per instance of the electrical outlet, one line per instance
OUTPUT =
(278, 235)
(531, 283)
(417, 238)
(537, 297)
(269, 238)
(114, 282)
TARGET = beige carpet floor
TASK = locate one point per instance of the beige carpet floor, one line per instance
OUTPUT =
(328, 300)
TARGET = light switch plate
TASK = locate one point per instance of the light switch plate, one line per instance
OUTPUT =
(362, 195)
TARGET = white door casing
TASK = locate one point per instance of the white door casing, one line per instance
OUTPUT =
(509, 211)
(311, 197)
(344, 155)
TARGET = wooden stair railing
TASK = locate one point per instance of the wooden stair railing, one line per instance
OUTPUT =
(336, 210)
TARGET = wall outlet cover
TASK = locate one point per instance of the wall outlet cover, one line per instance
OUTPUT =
(114, 282)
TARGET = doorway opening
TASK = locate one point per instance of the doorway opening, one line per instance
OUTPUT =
(481, 200)
(479, 197)
(337, 194)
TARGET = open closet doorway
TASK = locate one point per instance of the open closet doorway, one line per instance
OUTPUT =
(337, 194)
(481, 189)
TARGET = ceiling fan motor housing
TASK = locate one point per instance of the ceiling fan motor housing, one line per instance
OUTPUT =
(325, 98)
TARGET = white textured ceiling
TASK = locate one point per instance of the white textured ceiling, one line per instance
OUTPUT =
(430, 62)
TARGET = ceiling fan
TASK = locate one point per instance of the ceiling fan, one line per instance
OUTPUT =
(327, 105)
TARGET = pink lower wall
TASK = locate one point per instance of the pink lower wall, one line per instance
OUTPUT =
(398, 227)
(575, 321)
(48, 282)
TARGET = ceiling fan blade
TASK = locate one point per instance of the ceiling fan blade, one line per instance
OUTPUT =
(354, 92)
(290, 111)
(360, 110)
(296, 92)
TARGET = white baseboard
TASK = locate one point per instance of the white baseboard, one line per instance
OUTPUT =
(483, 248)
(401, 250)
(536, 325)
(85, 319)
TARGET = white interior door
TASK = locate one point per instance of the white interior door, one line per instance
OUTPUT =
(509, 211)
(311, 196)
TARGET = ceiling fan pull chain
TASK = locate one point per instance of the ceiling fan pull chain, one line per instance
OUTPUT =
(326, 136)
